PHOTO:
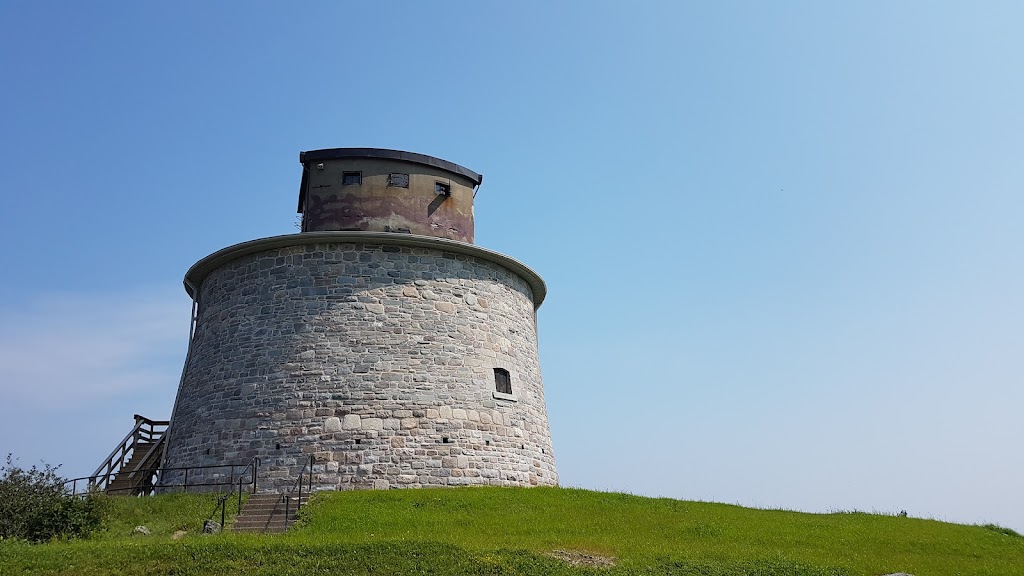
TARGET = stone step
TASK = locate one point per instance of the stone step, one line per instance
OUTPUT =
(262, 521)
(265, 513)
(264, 518)
(260, 530)
(272, 505)
(282, 525)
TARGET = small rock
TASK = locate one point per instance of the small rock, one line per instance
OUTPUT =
(211, 527)
(141, 530)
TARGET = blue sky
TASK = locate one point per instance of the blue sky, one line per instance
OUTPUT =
(782, 240)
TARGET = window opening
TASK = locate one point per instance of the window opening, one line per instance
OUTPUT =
(398, 180)
(502, 381)
(443, 188)
(351, 178)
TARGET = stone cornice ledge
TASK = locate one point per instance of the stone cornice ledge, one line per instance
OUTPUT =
(201, 269)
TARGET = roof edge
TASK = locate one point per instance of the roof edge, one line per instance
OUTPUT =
(386, 154)
(201, 269)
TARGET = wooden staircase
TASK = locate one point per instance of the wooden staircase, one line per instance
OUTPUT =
(268, 513)
(132, 467)
(131, 477)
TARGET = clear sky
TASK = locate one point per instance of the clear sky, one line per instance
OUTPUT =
(783, 240)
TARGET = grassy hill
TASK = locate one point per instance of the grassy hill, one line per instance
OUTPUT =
(498, 531)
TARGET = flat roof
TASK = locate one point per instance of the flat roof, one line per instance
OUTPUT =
(383, 153)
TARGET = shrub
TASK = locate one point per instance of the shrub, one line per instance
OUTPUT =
(1001, 530)
(35, 505)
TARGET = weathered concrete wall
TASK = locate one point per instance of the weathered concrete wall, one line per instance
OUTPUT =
(377, 358)
(376, 204)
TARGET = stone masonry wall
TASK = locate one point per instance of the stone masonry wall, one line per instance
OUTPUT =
(377, 359)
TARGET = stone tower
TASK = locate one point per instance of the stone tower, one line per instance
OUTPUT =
(379, 339)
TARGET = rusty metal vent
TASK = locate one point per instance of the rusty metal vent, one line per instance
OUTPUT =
(398, 180)
(502, 381)
(351, 178)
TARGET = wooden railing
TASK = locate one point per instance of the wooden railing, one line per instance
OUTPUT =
(146, 431)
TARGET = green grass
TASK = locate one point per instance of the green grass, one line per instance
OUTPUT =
(498, 531)
(162, 515)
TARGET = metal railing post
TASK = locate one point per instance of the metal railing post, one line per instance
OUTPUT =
(185, 485)
(239, 494)
(287, 503)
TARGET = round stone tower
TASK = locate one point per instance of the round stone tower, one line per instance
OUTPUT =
(380, 340)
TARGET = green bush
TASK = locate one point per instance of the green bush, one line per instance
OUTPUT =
(35, 505)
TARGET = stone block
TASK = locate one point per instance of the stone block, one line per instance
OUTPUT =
(351, 422)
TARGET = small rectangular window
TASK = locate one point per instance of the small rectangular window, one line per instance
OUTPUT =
(502, 381)
(398, 180)
(351, 178)
(443, 188)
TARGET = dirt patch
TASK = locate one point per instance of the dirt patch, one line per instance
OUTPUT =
(178, 535)
(578, 558)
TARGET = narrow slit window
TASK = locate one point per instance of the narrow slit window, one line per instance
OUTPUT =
(351, 178)
(443, 188)
(502, 381)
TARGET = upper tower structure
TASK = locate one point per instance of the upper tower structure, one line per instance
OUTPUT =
(378, 190)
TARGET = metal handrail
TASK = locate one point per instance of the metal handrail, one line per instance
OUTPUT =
(92, 479)
(288, 495)
(255, 465)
